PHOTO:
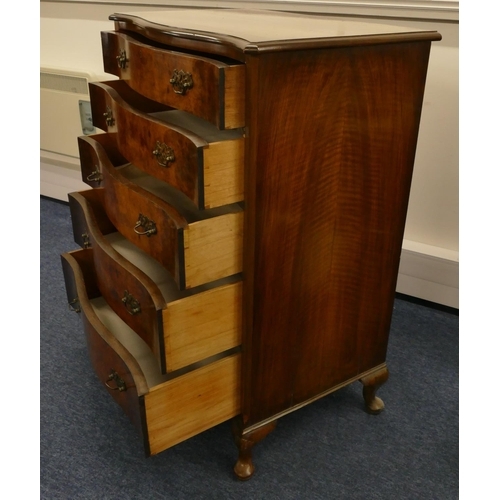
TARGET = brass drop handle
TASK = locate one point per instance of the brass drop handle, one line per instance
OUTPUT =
(86, 240)
(119, 384)
(181, 81)
(95, 175)
(132, 304)
(74, 305)
(108, 114)
(164, 154)
(146, 223)
(121, 59)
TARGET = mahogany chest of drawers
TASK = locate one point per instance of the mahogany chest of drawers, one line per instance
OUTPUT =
(242, 231)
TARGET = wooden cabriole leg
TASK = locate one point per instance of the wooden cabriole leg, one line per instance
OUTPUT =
(371, 383)
(244, 467)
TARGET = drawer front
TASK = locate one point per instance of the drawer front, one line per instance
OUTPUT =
(129, 292)
(167, 154)
(207, 168)
(79, 219)
(146, 222)
(73, 277)
(192, 403)
(210, 89)
(91, 149)
(117, 370)
(112, 370)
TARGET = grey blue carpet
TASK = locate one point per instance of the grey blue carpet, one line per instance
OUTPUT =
(331, 449)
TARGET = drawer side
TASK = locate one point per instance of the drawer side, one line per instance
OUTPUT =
(202, 325)
(183, 407)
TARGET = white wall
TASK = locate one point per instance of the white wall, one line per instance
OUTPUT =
(70, 38)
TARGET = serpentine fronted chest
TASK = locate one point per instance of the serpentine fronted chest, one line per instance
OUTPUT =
(242, 234)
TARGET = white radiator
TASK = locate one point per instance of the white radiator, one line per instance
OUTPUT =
(64, 115)
(64, 100)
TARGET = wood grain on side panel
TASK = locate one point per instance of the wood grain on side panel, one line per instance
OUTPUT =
(325, 222)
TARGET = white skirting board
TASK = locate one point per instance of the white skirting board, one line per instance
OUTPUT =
(60, 177)
(430, 273)
(426, 272)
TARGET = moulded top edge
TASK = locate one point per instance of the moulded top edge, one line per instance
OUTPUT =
(256, 30)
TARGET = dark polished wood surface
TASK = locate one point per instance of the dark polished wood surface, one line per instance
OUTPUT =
(217, 42)
(148, 70)
(123, 203)
(107, 355)
(137, 135)
(94, 150)
(328, 177)
(124, 277)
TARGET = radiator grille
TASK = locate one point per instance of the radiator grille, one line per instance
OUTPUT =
(64, 114)
(63, 83)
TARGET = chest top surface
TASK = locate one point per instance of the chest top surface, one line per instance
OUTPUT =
(259, 30)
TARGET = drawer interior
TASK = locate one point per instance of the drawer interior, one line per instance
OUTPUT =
(206, 130)
(184, 206)
(199, 322)
(158, 274)
(130, 341)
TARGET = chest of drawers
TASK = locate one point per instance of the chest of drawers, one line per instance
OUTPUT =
(241, 236)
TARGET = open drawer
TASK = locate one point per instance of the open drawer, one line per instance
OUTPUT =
(166, 409)
(180, 327)
(211, 88)
(192, 155)
(195, 246)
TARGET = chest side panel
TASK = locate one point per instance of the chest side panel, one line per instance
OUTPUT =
(331, 148)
